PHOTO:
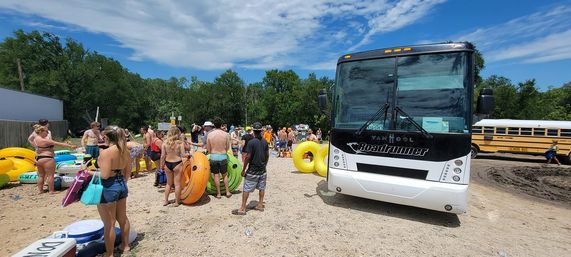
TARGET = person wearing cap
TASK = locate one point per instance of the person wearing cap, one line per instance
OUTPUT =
(254, 170)
(551, 153)
(195, 131)
(206, 128)
(91, 139)
(217, 144)
(33, 135)
(245, 139)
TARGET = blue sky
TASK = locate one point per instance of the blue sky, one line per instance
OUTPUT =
(519, 39)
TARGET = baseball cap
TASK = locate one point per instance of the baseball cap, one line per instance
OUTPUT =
(208, 123)
(257, 126)
(43, 122)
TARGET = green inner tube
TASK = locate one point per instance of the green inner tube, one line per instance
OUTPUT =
(4, 180)
(234, 177)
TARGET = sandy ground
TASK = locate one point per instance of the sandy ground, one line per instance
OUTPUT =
(303, 219)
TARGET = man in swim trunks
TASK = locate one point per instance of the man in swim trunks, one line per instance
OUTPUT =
(290, 139)
(245, 139)
(33, 135)
(91, 139)
(235, 137)
(217, 145)
(254, 170)
(282, 142)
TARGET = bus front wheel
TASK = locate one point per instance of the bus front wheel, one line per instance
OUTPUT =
(474, 152)
(565, 159)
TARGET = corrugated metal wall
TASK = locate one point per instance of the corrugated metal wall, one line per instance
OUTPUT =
(17, 105)
(15, 133)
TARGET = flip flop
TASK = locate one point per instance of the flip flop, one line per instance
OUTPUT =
(228, 195)
(258, 209)
(238, 212)
(218, 197)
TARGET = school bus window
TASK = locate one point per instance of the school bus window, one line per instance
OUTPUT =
(526, 131)
(552, 132)
(477, 130)
(513, 131)
(488, 130)
(539, 132)
(566, 132)
(501, 131)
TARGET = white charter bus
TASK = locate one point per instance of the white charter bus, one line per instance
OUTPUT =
(401, 125)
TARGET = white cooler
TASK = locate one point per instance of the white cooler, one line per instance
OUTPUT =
(59, 247)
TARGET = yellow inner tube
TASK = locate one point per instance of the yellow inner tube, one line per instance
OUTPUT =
(20, 166)
(300, 164)
(6, 165)
(24, 153)
(320, 164)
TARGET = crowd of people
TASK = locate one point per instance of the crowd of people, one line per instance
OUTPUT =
(116, 154)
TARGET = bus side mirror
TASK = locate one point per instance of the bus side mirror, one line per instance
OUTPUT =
(322, 103)
(322, 99)
(486, 102)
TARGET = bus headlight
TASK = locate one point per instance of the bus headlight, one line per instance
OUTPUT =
(336, 151)
(458, 162)
(336, 164)
(457, 171)
(456, 178)
(336, 157)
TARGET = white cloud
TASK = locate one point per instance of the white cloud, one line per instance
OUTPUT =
(539, 37)
(231, 33)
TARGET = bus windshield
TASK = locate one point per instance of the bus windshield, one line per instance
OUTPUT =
(431, 88)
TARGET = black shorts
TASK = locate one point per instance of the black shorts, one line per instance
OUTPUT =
(219, 167)
(289, 143)
(155, 156)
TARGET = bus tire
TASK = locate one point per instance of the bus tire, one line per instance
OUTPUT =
(474, 152)
(564, 159)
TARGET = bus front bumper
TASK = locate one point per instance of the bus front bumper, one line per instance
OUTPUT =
(445, 197)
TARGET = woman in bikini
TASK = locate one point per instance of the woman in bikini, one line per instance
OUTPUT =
(172, 158)
(114, 169)
(45, 157)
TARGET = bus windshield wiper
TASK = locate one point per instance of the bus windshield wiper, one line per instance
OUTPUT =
(414, 123)
(373, 118)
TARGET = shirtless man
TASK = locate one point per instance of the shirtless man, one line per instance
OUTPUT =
(290, 139)
(235, 137)
(91, 139)
(282, 142)
(217, 144)
(147, 140)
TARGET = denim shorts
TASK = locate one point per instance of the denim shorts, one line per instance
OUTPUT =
(252, 182)
(114, 189)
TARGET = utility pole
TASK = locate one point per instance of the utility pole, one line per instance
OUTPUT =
(20, 74)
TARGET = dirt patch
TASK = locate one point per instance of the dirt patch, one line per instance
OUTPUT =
(551, 183)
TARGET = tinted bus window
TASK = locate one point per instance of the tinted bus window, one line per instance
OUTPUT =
(501, 131)
(488, 130)
(539, 132)
(513, 131)
(552, 132)
(477, 130)
(566, 132)
(526, 131)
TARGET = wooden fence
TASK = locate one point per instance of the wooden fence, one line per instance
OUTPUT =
(15, 133)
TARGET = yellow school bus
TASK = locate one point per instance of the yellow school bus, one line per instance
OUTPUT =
(522, 136)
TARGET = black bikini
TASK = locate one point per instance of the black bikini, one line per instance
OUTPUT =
(39, 157)
(172, 165)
